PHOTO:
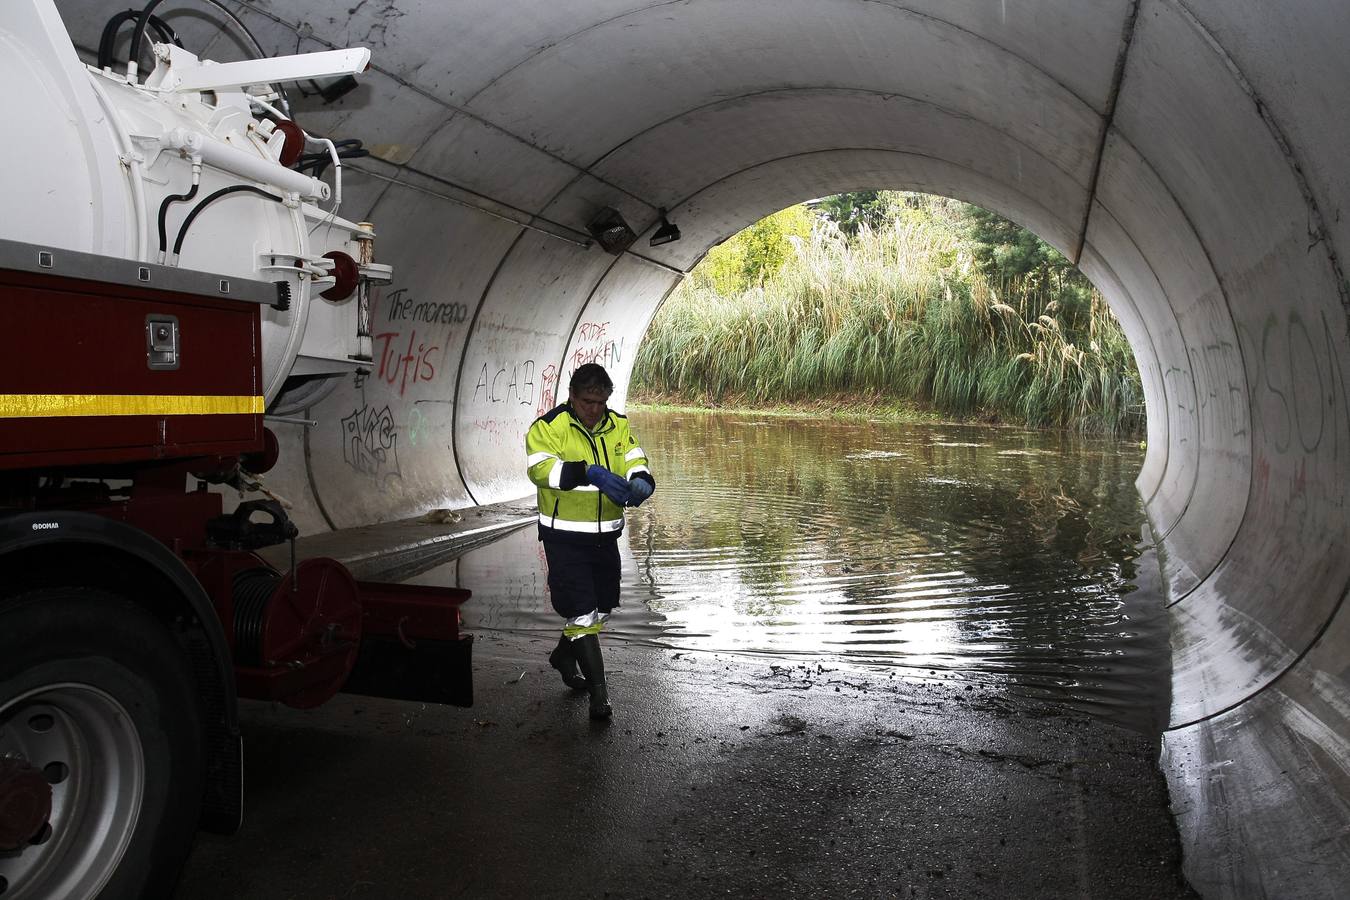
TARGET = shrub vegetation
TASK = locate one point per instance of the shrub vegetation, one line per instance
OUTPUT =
(894, 297)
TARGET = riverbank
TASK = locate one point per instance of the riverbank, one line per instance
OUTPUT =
(842, 408)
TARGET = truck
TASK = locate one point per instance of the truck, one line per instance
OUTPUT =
(173, 271)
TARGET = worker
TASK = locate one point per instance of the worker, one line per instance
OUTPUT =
(587, 466)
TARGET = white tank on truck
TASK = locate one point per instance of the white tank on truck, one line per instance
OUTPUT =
(191, 168)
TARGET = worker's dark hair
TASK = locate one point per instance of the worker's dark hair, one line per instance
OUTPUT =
(589, 377)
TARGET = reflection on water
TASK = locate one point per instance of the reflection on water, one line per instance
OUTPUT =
(998, 554)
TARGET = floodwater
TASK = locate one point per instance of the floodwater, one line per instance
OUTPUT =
(997, 555)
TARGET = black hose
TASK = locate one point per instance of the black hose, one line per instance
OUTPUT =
(165, 31)
(164, 212)
(317, 163)
(232, 189)
(139, 34)
(108, 41)
(109, 38)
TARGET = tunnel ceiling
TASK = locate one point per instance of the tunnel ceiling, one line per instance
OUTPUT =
(554, 108)
(1189, 154)
(723, 110)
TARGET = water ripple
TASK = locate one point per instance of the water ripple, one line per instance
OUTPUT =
(1003, 555)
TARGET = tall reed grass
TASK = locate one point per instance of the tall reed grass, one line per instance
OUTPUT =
(901, 313)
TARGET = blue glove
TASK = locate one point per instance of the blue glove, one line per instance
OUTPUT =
(639, 489)
(613, 486)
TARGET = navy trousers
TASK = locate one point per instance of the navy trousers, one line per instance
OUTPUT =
(582, 578)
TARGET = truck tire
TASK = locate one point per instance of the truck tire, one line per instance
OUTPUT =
(96, 693)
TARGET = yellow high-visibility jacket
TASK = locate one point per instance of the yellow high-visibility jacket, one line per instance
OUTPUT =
(558, 450)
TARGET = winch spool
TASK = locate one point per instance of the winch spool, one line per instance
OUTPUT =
(253, 589)
(307, 623)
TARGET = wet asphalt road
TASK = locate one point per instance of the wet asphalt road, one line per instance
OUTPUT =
(718, 776)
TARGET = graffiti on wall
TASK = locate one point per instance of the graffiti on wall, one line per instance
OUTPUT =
(508, 383)
(548, 390)
(1296, 371)
(509, 389)
(500, 432)
(595, 344)
(370, 441)
(522, 383)
(408, 353)
(1298, 394)
(400, 306)
(404, 363)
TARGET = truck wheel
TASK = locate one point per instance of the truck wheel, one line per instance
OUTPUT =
(97, 696)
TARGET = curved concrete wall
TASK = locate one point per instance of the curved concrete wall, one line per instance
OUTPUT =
(1189, 153)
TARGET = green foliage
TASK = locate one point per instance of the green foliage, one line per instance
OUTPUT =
(756, 253)
(1005, 250)
(918, 310)
(1016, 262)
(854, 211)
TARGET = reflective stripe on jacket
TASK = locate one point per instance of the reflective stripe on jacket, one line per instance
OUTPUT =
(558, 449)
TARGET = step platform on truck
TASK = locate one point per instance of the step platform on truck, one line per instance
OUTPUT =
(393, 551)
(411, 647)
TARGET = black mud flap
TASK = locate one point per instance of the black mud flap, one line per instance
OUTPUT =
(428, 671)
(223, 801)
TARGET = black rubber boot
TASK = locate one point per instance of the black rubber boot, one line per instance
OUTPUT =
(562, 659)
(586, 650)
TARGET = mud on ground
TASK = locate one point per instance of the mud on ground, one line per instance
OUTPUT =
(718, 776)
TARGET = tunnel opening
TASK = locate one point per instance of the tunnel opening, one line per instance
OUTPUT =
(890, 535)
(892, 299)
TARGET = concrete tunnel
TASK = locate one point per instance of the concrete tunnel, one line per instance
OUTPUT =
(1188, 154)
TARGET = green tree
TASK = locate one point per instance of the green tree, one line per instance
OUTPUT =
(757, 253)
(851, 211)
(1019, 264)
(1007, 252)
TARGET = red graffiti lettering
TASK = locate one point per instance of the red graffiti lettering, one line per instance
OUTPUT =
(592, 331)
(410, 366)
(548, 390)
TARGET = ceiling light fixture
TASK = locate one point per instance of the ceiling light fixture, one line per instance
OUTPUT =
(667, 232)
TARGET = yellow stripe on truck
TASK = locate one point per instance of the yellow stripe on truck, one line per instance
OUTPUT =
(46, 406)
